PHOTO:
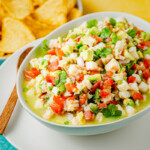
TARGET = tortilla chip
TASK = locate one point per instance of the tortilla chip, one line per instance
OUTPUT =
(3, 14)
(70, 4)
(1, 54)
(38, 29)
(18, 8)
(14, 35)
(52, 12)
(38, 2)
(74, 13)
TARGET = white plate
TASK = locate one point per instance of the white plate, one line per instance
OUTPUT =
(26, 133)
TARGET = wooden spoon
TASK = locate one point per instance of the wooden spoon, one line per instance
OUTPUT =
(6, 114)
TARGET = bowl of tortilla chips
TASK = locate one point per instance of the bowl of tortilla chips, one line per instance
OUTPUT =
(23, 21)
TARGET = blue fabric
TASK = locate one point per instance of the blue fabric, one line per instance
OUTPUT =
(4, 144)
(1, 61)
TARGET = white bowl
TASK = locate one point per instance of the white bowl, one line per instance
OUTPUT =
(84, 129)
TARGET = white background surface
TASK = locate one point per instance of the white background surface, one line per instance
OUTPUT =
(24, 132)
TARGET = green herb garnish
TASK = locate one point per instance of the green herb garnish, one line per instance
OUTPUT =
(92, 23)
(103, 52)
(25, 89)
(130, 65)
(111, 111)
(132, 32)
(80, 45)
(45, 46)
(66, 122)
(105, 32)
(96, 96)
(50, 88)
(94, 109)
(112, 21)
(114, 38)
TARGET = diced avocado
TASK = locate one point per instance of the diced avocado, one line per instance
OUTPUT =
(128, 55)
(131, 44)
(114, 38)
(72, 36)
(140, 54)
(55, 73)
(44, 63)
(122, 35)
(128, 102)
(120, 25)
(145, 36)
(94, 78)
(84, 47)
(60, 39)
(94, 31)
(137, 40)
(147, 51)
(87, 55)
(62, 88)
(67, 49)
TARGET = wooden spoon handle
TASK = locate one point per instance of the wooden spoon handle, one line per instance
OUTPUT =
(6, 114)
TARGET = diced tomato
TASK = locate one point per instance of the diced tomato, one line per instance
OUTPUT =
(88, 115)
(70, 87)
(50, 79)
(81, 77)
(109, 74)
(146, 63)
(80, 108)
(108, 82)
(141, 46)
(134, 66)
(53, 66)
(97, 38)
(102, 105)
(51, 52)
(71, 98)
(83, 98)
(59, 53)
(113, 102)
(29, 74)
(131, 79)
(135, 27)
(95, 86)
(139, 32)
(137, 96)
(92, 72)
(104, 93)
(59, 100)
(146, 74)
(78, 39)
(56, 108)
(147, 43)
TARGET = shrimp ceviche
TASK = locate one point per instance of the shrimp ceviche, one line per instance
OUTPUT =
(98, 73)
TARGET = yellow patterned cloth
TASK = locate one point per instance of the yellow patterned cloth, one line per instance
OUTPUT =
(140, 8)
